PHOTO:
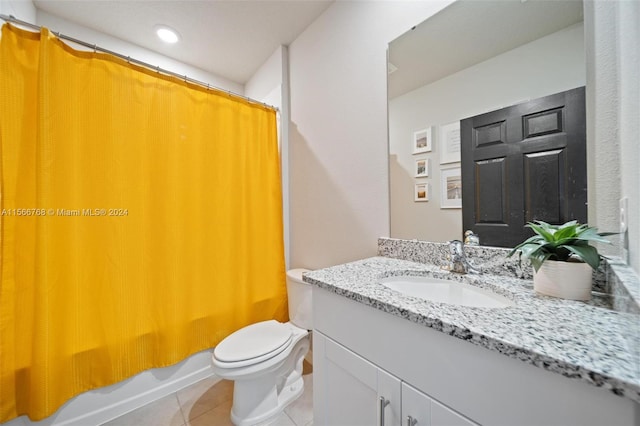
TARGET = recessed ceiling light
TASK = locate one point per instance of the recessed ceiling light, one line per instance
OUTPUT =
(166, 34)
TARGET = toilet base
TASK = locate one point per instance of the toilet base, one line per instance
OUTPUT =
(258, 401)
(268, 409)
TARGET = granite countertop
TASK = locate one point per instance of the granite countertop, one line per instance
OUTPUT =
(579, 340)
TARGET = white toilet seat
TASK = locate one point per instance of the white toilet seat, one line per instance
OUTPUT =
(253, 344)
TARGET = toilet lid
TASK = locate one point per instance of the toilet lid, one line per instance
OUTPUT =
(253, 341)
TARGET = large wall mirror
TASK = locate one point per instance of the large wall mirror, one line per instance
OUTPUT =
(471, 58)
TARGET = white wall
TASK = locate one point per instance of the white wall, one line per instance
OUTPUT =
(612, 38)
(270, 84)
(503, 80)
(338, 132)
(266, 83)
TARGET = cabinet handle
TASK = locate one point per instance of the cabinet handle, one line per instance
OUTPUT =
(411, 421)
(383, 403)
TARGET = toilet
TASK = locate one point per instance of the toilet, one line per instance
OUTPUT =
(265, 359)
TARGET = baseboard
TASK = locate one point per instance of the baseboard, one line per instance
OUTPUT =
(101, 405)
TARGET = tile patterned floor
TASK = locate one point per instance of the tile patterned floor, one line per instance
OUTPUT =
(208, 403)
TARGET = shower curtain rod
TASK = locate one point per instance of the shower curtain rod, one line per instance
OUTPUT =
(14, 20)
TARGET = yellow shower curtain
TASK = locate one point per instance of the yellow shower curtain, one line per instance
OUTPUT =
(141, 220)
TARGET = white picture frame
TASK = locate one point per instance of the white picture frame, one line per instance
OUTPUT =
(451, 188)
(421, 167)
(421, 191)
(422, 140)
(450, 143)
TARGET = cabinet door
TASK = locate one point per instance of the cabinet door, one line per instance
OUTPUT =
(416, 407)
(349, 390)
(420, 410)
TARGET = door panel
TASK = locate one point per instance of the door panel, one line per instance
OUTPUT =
(491, 206)
(544, 186)
(542, 123)
(490, 134)
(523, 163)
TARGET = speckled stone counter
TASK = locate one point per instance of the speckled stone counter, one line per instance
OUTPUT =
(579, 340)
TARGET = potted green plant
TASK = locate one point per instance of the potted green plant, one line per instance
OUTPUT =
(562, 258)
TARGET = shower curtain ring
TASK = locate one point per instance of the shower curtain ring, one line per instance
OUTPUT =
(95, 48)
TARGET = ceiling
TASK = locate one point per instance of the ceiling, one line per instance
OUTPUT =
(471, 31)
(231, 38)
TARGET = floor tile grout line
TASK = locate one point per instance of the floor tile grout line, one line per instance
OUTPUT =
(189, 420)
(289, 417)
(184, 418)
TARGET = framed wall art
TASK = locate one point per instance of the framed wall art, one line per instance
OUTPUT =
(422, 141)
(450, 143)
(422, 167)
(451, 188)
(421, 192)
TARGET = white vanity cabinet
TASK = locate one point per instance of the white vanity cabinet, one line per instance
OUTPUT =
(349, 390)
(362, 354)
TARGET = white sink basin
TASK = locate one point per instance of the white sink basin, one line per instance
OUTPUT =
(445, 291)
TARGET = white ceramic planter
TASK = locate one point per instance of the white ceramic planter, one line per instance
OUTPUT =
(567, 280)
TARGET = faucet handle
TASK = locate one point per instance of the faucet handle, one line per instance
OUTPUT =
(455, 247)
(471, 239)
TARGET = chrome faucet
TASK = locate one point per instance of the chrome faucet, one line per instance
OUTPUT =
(458, 262)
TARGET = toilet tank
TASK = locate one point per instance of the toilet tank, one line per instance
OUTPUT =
(299, 299)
